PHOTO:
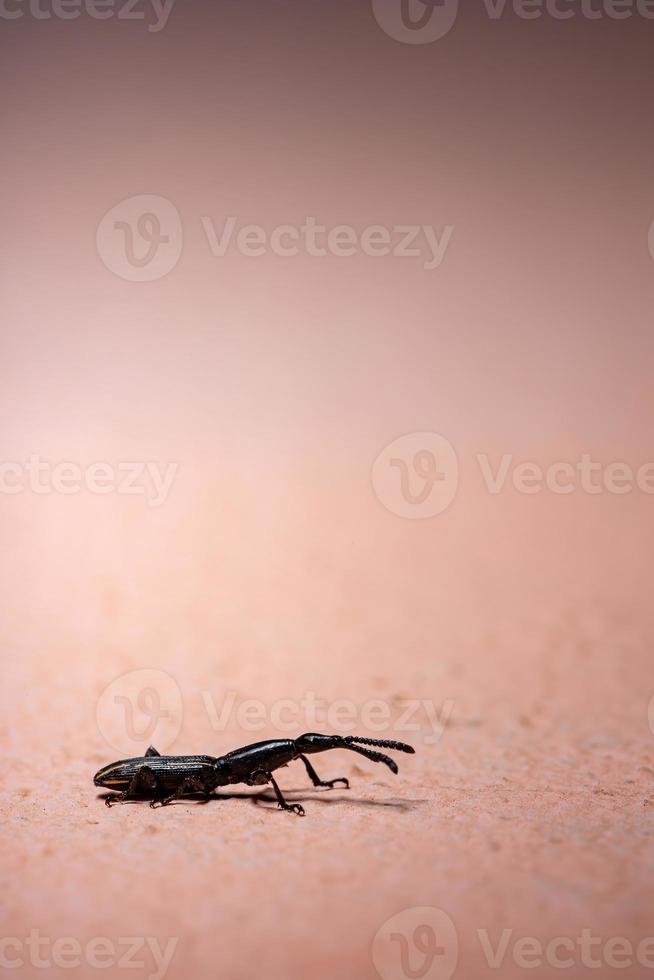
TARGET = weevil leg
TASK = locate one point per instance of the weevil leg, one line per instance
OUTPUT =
(317, 781)
(152, 751)
(293, 807)
(192, 784)
(143, 781)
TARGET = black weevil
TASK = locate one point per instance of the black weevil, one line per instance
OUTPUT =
(164, 778)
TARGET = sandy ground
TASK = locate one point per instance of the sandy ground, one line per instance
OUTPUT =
(528, 814)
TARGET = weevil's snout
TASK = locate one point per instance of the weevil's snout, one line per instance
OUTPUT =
(313, 742)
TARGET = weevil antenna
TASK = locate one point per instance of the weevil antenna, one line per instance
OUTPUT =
(382, 743)
(373, 756)
(357, 745)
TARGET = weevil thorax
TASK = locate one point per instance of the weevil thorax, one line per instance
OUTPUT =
(222, 772)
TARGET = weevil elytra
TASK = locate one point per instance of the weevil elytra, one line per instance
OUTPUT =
(164, 778)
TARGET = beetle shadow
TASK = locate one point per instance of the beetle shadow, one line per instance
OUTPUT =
(268, 800)
(188, 797)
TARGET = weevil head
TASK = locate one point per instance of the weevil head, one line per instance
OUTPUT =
(314, 742)
(108, 777)
(98, 779)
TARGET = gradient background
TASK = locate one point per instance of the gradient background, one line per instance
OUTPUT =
(273, 568)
